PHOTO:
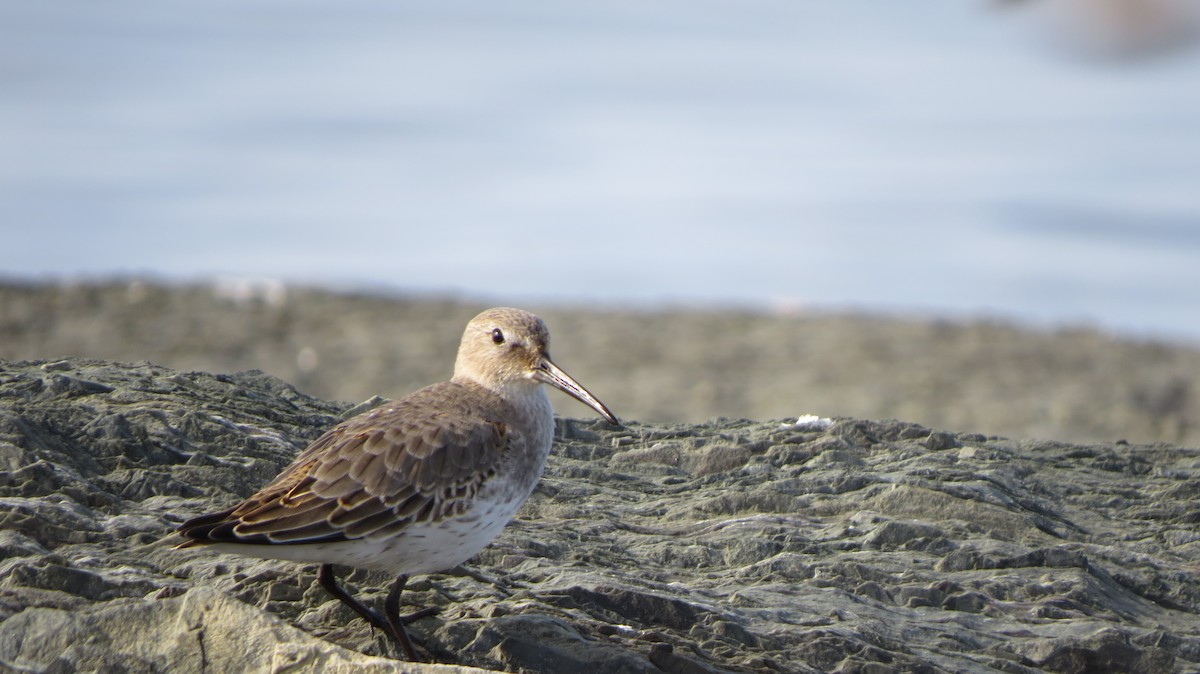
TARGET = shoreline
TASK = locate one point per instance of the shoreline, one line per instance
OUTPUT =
(668, 365)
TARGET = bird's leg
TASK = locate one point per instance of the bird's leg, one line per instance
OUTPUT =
(391, 607)
(327, 581)
(394, 624)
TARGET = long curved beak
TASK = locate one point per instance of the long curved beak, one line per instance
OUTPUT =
(549, 373)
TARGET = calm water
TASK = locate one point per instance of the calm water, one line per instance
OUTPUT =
(925, 156)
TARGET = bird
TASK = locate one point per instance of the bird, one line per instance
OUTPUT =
(418, 485)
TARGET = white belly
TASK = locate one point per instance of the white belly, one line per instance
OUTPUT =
(422, 548)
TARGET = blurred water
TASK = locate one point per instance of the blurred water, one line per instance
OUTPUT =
(926, 156)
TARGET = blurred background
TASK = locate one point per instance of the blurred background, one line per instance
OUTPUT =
(931, 210)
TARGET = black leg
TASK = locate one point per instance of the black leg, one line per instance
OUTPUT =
(393, 626)
(327, 581)
(391, 606)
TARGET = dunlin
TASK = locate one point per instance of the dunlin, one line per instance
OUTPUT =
(418, 485)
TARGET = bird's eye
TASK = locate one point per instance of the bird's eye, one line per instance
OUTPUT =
(497, 336)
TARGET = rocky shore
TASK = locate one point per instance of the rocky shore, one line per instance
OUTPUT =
(840, 545)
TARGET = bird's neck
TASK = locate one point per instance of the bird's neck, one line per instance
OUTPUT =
(515, 391)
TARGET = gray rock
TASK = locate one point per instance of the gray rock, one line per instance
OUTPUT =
(200, 631)
(727, 546)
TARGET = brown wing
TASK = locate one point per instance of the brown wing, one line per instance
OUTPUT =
(413, 460)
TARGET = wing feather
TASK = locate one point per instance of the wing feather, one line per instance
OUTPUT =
(421, 457)
(286, 519)
(343, 517)
(367, 525)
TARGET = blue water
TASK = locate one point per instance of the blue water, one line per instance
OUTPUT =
(934, 155)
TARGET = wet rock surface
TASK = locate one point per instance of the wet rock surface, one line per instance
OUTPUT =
(728, 546)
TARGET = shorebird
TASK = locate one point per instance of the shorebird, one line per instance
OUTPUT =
(418, 485)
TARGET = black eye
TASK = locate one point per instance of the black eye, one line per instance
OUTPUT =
(497, 336)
